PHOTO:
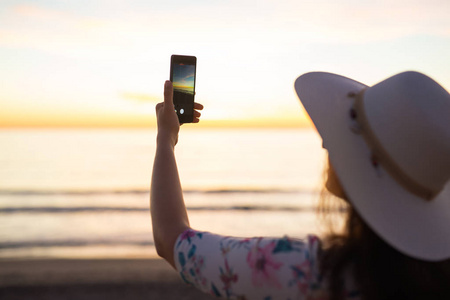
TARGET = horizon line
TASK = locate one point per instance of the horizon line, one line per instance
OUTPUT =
(251, 123)
(268, 126)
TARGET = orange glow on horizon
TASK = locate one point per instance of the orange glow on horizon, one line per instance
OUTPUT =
(140, 121)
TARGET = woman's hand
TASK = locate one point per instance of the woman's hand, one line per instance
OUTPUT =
(168, 124)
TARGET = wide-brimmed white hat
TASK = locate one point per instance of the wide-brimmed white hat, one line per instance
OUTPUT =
(389, 144)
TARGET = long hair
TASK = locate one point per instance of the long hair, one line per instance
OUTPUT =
(379, 271)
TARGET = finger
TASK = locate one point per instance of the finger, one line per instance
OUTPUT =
(159, 106)
(195, 120)
(168, 94)
(198, 106)
(197, 114)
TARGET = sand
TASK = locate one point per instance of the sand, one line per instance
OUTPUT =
(93, 279)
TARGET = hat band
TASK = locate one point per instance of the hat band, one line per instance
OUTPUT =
(384, 158)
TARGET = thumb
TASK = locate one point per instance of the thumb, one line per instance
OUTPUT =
(168, 94)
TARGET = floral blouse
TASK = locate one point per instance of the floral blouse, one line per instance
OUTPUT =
(253, 268)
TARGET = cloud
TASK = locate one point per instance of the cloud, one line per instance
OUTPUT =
(72, 34)
(130, 33)
(33, 11)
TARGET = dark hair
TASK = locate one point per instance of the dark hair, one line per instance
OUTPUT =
(380, 271)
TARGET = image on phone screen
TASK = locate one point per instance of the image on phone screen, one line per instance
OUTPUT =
(183, 79)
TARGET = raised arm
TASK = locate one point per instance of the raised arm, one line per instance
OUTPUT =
(169, 216)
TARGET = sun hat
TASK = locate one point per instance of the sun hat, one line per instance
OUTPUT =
(389, 144)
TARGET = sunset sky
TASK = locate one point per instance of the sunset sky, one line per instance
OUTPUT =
(103, 63)
(183, 75)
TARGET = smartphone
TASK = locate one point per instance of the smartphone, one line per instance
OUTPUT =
(182, 75)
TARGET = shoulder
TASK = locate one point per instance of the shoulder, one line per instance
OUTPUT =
(255, 267)
(308, 248)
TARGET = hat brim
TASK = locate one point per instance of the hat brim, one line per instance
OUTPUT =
(411, 225)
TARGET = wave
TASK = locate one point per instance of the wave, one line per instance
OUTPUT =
(50, 209)
(26, 192)
(68, 192)
(73, 243)
(101, 209)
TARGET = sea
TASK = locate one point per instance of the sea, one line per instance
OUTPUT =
(84, 193)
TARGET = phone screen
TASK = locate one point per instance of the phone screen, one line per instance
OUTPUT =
(182, 75)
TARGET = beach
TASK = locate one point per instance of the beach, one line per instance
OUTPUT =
(93, 279)
(74, 205)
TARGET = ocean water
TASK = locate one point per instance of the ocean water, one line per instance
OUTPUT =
(85, 193)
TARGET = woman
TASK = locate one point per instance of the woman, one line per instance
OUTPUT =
(389, 157)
